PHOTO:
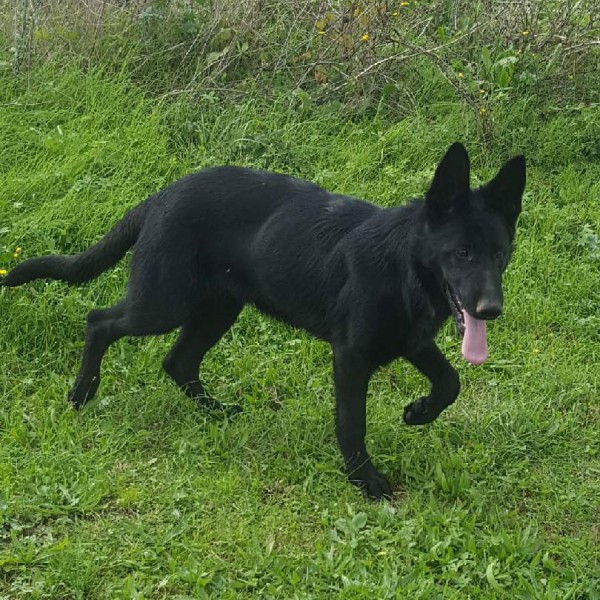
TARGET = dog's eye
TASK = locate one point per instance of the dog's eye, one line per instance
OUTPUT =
(462, 252)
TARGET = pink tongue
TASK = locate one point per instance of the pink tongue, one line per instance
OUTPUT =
(474, 345)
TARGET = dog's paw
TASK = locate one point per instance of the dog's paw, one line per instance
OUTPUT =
(82, 391)
(420, 412)
(231, 410)
(373, 483)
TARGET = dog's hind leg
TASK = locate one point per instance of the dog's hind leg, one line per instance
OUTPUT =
(198, 335)
(104, 327)
(445, 386)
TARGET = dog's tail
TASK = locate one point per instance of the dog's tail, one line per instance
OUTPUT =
(87, 265)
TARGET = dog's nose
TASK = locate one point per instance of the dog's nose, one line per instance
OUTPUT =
(488, 309)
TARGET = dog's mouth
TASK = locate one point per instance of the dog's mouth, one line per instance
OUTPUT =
(472, 330)
(456, 308)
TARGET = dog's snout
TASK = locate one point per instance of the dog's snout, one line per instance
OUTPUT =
(488, 309)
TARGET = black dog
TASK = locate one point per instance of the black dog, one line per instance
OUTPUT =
(375, 283)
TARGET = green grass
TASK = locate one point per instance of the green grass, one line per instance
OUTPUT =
(140, 495)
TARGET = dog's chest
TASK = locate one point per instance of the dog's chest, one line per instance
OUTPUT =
(394, 330)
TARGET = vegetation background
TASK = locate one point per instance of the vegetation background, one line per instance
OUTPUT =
(141, 495)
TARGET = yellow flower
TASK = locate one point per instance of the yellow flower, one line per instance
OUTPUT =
(525, 32)
(3, 272)
(321, 32)
(15, 256)
(364, 37)
(482, 111)
(395, 13)
(18, 250)
(570, 75)
(404, 3)
(460, 75)
(481, 91)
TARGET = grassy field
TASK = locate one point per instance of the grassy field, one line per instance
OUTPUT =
(140, 495)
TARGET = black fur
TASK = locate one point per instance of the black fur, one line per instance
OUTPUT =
(366, 279)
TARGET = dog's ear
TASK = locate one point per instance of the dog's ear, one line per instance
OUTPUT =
(504, 193)
(451, 180)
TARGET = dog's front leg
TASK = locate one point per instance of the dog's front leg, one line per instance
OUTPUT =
(352, 375)
(445, 386)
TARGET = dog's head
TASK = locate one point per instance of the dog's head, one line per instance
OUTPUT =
(470, 239)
